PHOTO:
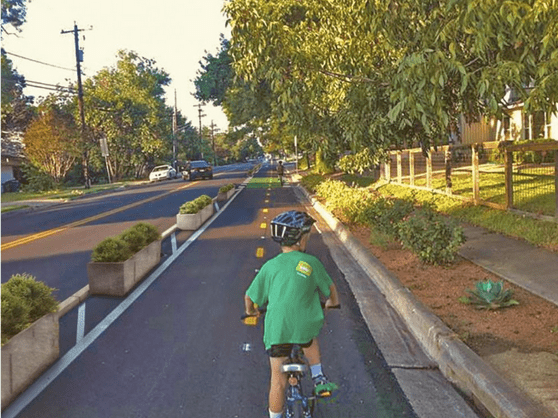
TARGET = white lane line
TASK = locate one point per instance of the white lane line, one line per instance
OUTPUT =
(173, 242)
(80, 323)
(59, 366)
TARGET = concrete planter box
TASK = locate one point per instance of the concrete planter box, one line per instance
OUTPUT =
(226, 195)
(116, 279)
(28, 354)
(192, 221)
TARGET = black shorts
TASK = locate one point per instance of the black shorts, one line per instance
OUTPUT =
(284, 350)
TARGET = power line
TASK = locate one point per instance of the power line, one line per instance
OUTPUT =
(39, 62)
(42, 85)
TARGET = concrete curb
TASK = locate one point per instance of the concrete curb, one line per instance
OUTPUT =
(457, 362)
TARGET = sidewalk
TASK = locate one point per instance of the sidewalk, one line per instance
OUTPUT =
(534, 269)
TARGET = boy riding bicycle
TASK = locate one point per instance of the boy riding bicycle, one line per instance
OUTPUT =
(289, 285)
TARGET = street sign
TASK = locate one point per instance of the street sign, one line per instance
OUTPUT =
(104, 147)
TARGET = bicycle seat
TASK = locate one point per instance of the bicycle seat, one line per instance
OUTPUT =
(294, 367)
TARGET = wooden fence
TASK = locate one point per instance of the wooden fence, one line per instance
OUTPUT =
(502, 175)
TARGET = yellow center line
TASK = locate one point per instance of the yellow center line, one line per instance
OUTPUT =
(44, 234)
(263, 225)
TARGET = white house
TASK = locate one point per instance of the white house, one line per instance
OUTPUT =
(12, 154)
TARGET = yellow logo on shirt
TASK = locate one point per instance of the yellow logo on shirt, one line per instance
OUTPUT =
(304, 268)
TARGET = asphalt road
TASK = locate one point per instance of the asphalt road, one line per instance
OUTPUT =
(60, 259)
(180, 350)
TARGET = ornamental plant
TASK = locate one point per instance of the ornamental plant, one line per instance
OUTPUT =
(339, 197)
(122, 247)
(111, 250)
(140, 236)
(490, 295)
(24, 300)
(432, 237)
(194, 206)
(385, 215)
(225, 189)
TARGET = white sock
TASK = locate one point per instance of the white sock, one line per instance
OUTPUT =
(275, 414)
(316, 369)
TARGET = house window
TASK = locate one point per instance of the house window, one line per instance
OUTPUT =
(536, 125)
(506, 122)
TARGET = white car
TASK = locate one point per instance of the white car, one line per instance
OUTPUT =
(162, 172)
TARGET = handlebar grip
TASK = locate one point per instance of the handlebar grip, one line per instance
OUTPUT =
(331, 307)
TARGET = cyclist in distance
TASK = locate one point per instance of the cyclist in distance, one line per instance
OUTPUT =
(289, 285)
(280, 172)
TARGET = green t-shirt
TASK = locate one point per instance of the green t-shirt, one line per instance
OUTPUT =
(289, 284)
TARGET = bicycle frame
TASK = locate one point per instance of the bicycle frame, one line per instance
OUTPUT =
(295, 368)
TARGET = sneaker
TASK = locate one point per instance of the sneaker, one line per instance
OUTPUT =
(322, 386)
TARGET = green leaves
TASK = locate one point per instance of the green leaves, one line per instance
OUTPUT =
(490, 295)
(126, 104)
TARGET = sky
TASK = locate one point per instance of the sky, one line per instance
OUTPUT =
(177, 34)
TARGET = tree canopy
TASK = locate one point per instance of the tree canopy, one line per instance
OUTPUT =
(125, 104)
(371, 73)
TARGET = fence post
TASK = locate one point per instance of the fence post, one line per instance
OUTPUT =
(556, 182)
(508, 162)
(399, 168)
(429, 169)
(447, 156)
(475, 164)
(388, 168)
(411, 168)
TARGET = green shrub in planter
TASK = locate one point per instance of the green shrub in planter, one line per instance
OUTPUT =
(111, 250)
(432, 237)
(194, 206)
(24, 300)
(226, 188)
(140, 236)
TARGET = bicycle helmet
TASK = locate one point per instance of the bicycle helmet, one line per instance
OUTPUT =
(288, 227)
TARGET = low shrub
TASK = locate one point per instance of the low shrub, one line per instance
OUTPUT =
(432, 237)
(149, 232)
(194, 206)
(122, 247)
(311, 182)
(111, 250)
(344, 199)
(385, 215)
(225, 189)
(24, 300)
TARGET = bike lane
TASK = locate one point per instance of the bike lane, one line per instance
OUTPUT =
(180, 349)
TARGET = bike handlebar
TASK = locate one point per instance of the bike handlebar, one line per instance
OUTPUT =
(253, 319)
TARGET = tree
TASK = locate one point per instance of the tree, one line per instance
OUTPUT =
(51, 140)
(125, 104)
(13, 13)
(16, 113)
(215, 76)
(15, 109)
(381, 74)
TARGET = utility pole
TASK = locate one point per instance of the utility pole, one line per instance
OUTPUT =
(174, 128)
(79, 59)
(200, 115)
(213, 130)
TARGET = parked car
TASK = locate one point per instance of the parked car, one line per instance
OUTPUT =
(162, 172)
(10, 186)
(197, 169)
